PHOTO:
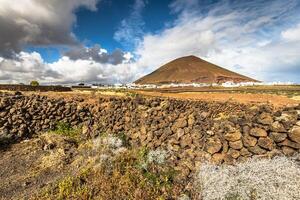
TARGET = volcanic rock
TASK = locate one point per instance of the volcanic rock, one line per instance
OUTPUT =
(258, 132)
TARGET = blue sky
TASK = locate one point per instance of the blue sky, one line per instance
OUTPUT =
(108, 18)
(117, 41)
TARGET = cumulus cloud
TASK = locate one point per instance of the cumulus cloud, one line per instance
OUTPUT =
(131, 28)
(248, 37)
(97, 54)
(26, 67)
(38, 22)
(90, 71)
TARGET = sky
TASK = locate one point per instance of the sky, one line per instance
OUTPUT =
(118, 41)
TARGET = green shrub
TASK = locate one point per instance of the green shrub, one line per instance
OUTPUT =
(65, 129)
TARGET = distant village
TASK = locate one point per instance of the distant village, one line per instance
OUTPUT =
(172, 85)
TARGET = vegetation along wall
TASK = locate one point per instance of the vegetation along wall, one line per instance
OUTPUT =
(192, 130)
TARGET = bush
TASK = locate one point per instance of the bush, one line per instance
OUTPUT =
(65, 129)
(267, 179)
(34, 83)
(113, 170)
(124, 179)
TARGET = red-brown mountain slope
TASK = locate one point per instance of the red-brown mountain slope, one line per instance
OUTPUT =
(191, 69)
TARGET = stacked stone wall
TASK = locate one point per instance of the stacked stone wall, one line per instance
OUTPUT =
(191, 130)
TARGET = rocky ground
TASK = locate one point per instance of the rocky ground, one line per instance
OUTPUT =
(142, 148)
(30, 165)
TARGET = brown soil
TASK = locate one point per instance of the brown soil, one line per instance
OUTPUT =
(210, 95)
(28, 167)
(276, 100)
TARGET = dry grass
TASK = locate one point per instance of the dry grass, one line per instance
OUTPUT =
(127, 180)
(275, 179)
(119, 172)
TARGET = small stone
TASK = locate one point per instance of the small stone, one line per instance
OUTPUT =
(180, 133)
(265, 118)
(191, 120)
(213, 145)
(233, 136)
(228, 159)
(236, 144)
(174, 147)
(185, 141)
(242, 159)
(295, 134)
(288, 151)
(266, 143)
(143, 130)
(277, 127)
(12, 110)
(225, 146)
(249, 141)
(257, 150)
(287, 119)
(278, 137)
(289, 143)
(202, 156)
(210, 132)
(246, 129)
(274, 152)
(180, 123)
(258, 132)
(217, 158)
(245, 152)
(234, 153)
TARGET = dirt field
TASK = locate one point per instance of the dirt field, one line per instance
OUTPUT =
(276, 100)
(276, 95)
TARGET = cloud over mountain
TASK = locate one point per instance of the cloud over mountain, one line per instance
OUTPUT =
(250, 37)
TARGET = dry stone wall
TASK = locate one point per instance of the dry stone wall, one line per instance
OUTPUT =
(190, 130)
(41, 88)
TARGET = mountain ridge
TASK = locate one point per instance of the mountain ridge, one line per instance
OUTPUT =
(198, 71)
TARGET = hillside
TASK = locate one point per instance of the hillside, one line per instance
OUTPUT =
(191, 69)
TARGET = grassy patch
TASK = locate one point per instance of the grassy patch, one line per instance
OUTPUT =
(121, 179)
(127, 180)
(65, 129)
(69, 187)
(114, 170)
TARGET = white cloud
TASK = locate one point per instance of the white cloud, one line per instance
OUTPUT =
(241, 37)
(90, 71)
(38, 22)
(292, 34)
(131, 28)
(30, 66)
(26, 67)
